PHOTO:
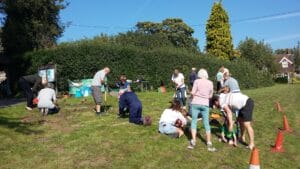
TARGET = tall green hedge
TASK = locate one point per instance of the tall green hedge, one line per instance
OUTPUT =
(82, 60)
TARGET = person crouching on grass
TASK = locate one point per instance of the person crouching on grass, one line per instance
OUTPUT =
(98, 81)
(47, 102)
(129, 101)
(172, 121)
(242, 103)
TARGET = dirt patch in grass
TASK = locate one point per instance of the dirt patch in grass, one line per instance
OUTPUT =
(58, 149)
(28, 119)
(99, 161)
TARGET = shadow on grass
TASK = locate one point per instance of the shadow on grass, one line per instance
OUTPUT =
(18, 126)
(215, 130)
(105, 108)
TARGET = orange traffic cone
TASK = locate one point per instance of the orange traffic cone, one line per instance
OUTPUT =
(278, 107)
(254, 160)
(286, 126)
(278, 145)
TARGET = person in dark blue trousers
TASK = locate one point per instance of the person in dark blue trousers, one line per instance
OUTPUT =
(130, 101)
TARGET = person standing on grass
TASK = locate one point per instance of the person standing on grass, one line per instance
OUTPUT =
(168, 119)
(97, 82)
(178, 80)
(231, 83)
(201, 93)
(245, 105)
(31, 84)
(193, 76)
(130, 102)
(219, 78)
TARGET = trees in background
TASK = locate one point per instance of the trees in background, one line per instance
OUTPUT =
(30, 24)
(177, 32)
(218, 34)
(258, 53)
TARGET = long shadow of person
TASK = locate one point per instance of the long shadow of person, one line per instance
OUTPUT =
(18, 126)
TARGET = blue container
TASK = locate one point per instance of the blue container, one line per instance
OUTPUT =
(78, 94)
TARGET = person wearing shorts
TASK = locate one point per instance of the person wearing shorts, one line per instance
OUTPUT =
(98, 80)
(245, 106)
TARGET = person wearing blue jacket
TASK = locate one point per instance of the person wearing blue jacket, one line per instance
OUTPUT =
(130, 101)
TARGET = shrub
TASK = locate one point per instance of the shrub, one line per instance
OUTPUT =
(81, 60)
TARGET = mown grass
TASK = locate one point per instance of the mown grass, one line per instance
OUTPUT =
(76, 138)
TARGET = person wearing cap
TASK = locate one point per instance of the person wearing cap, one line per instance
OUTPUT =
(97, 82)
(193, 76)
(31, 84)
(47, 102)
(237, 101)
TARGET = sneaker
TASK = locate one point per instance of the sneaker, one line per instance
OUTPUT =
(192, 144)
(28, 108)
(211, 148)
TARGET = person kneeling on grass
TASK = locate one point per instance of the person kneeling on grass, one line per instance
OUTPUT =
(47, 100)
(172, 121)
(245, 105)
(130, 101)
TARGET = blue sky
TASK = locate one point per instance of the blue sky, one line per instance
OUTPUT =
(277, 22)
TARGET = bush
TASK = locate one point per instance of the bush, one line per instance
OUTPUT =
(81, 60)
(281, 79)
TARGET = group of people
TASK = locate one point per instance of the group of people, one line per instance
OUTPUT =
(228, 98)
(37, 87)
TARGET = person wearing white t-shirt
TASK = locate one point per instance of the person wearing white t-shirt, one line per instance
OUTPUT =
(97, 82)
(245, 105)
(168, 121)
(47, 100)
(178, 80)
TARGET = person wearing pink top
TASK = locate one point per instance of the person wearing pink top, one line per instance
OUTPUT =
(202, 91)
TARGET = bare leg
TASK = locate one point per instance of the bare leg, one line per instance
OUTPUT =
(208, 137)
(250, 133)
(98, 107)
(223, 138)
(194, 133)
(242, 130)
(180, 132)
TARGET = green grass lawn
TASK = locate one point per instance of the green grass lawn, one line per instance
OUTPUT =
(76, 138)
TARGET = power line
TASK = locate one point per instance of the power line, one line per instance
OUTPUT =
(250, 19)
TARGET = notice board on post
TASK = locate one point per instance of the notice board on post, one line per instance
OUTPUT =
(49, 72)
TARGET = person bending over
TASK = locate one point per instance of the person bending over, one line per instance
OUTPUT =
(242, 103)
(172, 121)
(31, 84)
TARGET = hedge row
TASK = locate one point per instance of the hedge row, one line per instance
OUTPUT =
(79, 60)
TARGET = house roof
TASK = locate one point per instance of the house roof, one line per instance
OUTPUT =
(288, 57)
(285, 57)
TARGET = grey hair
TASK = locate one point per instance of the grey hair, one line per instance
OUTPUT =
(202, 74)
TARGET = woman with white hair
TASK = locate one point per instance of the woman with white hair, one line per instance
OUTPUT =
(202, 91)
